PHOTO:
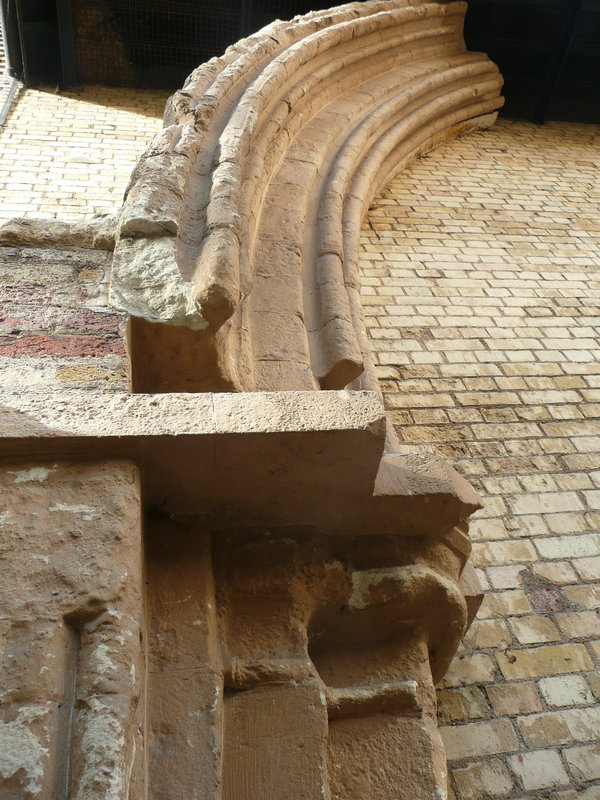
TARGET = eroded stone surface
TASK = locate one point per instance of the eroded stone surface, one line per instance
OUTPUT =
(160, 295)
(72, 667)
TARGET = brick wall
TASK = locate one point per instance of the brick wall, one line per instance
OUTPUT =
(56, 328)
(70, 154)
(481, 285)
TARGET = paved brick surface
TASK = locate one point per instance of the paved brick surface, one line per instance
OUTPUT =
(70, 154)
(481, 285)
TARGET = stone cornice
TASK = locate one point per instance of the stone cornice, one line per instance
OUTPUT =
(283, 458)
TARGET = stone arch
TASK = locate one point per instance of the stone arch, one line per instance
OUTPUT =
(238, 239)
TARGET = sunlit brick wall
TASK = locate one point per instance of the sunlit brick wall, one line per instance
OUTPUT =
(481, 282)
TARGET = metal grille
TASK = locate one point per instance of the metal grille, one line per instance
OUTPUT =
(577, 94)
(157, 43)
(151, 43)
(535, 23)
(2, 53)
(582, 65)
(8, 86)
(266, 12)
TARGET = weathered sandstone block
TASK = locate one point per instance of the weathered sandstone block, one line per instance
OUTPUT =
(287, 664)
(71, 684)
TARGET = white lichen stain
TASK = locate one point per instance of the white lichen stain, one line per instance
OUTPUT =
(402, 577)
(129, 766)
(215, 703)
(89, 512)
(32, 713)
(100, 660)
(102, 749)
(5, 518)
(364, 581)
(38, 474)
(20, 750)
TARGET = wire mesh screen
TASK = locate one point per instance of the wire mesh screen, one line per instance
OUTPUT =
(157, 43)
(526, 38)
(264, 12)
(577, 94)
(519, 36)
(151, 43)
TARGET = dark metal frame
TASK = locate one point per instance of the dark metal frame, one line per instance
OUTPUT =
(16, 46)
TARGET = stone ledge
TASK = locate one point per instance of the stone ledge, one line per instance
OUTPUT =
(97, 233)
(91, 415)
(280, 458)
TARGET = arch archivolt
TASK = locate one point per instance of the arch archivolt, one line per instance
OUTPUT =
(238, 245)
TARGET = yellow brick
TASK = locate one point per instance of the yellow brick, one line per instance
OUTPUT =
(509, 699)
(479, 739)
(541, 661)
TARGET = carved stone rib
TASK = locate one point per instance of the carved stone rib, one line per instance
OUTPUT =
(241, 222)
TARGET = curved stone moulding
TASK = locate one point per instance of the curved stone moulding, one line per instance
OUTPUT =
(238, 245)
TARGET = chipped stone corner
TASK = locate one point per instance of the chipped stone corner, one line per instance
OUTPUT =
(146, 282)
